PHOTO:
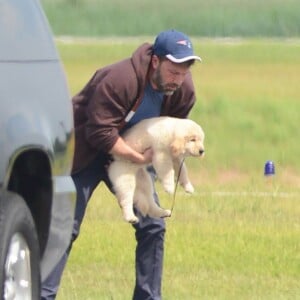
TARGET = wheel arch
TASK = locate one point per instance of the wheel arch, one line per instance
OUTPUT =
(30, 177)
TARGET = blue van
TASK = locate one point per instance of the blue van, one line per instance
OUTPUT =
(37, 194)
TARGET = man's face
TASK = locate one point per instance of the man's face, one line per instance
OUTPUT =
(167, 76)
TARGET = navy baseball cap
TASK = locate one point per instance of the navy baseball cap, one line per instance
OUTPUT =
(174, 45)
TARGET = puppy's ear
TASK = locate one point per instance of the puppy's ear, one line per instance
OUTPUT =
(177, 147)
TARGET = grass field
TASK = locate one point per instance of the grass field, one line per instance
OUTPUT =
(238, 236)
(214, 18)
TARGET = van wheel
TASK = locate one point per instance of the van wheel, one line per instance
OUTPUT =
(19, 250)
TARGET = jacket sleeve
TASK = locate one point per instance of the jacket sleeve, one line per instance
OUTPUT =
(114, 93)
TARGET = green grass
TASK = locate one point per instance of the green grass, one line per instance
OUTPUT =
(238, 236)
(204, 18)
(216, 248)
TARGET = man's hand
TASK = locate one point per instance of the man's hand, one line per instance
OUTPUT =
(123, 150)
(148, 155)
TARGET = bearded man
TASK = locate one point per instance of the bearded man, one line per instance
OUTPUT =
(155, 81)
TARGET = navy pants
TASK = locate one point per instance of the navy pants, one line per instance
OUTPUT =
(149, 234)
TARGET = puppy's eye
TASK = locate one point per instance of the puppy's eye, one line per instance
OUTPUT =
(193, 140)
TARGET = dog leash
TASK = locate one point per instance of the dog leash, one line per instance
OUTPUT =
(176, 184)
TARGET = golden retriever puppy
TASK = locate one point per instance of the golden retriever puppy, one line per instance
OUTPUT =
(172, 139)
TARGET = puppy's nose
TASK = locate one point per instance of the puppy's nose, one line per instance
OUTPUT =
(201, 152)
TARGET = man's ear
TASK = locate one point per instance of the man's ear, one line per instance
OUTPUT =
(154, 61)
(177, 147)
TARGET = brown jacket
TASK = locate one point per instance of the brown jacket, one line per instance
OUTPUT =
(102, 105)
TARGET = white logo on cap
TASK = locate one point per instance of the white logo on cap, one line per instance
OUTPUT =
(185, 43)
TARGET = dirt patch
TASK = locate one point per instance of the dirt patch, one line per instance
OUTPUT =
(290, 177)
(232, 177)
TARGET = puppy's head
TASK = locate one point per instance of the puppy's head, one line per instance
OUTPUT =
(188, 139)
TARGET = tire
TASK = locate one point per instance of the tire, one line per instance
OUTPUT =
(19, 250)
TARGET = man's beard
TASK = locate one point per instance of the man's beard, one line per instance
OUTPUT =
(168, 88)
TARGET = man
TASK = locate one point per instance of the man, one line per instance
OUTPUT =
(155, 81)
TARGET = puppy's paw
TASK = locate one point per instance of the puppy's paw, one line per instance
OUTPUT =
(169, 188)
(189, 188)
(132, 219)
(167, 213)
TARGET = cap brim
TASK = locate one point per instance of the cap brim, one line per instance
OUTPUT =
(181, 60)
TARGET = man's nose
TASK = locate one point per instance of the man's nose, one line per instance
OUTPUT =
(178, 79)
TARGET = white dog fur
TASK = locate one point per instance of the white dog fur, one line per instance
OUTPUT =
(172, 140)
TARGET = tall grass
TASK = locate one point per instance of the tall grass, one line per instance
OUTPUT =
(238, 236)
(212, 18)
